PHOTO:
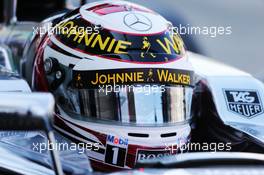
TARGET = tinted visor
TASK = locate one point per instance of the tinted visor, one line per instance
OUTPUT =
(143, 105)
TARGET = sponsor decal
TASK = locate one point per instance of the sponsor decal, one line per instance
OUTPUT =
(151, 154)
(155, 48)
(116, 151)
(116, 140)
(93, 40)
(146, 45)
(95, 79)
(137, 22)
(246, 103)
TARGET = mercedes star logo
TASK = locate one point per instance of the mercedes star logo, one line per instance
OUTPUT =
(137, 22)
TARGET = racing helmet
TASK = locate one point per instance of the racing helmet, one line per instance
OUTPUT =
(121, 79)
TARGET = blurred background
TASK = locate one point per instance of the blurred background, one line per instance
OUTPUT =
(242, 48)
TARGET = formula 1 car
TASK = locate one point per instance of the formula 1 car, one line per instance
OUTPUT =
(227, 104)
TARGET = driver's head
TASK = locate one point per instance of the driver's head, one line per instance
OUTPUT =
(121, 78)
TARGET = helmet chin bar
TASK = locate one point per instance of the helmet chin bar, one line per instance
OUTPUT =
(146, 143)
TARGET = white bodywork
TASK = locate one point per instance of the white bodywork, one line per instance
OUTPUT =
(220, 77)
(5, 58)
(7, 83)
(17, 85)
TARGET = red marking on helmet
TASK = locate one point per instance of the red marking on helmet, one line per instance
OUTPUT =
(141, 169)
(105, 9)
(40, 82)
(62, 123)
(116, 140)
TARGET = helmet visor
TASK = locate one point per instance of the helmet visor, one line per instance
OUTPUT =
(142, 105)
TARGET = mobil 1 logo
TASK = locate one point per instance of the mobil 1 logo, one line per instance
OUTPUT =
(246, 103)
(116, 150)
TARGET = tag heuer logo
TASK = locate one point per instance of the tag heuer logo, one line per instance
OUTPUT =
(244, 102)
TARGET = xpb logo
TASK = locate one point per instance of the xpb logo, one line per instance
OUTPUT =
(244, 102)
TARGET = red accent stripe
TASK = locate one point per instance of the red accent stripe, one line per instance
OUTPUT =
(105, 9)
(100, 136)
(40, 83)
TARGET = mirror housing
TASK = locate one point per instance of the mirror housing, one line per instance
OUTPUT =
(29, 111)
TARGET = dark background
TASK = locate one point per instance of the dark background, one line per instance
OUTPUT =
(1, 10)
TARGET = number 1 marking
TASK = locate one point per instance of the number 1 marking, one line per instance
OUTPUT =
(115, 155)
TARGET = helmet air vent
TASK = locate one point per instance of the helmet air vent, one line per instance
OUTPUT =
(137, 135)
(172, 134)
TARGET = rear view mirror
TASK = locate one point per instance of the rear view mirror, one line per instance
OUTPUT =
(25, 111)
(29, 111)
(6, 59)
